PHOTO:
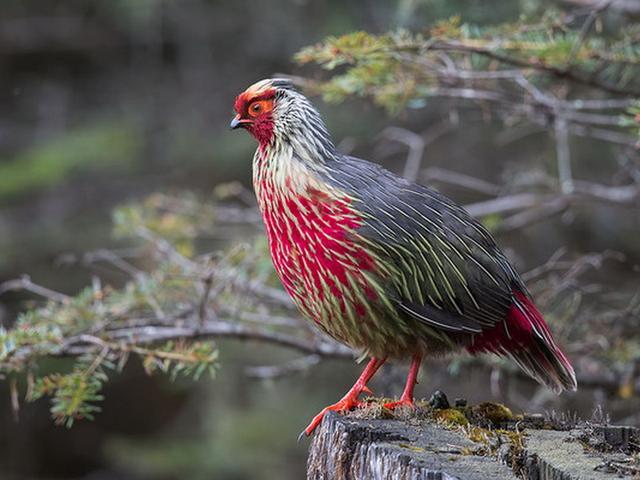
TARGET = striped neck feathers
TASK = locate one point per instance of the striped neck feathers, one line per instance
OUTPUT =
(299, 125)
(300, 152)
(281, 173)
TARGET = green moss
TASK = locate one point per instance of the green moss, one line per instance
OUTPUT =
(451, 417)
(496, 413)
(479, 435)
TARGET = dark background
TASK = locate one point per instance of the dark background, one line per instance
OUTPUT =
(105, 101)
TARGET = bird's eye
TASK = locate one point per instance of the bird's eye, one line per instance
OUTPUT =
(255, 108)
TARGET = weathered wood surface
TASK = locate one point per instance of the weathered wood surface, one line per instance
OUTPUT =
(558, 456)
(346, 448)
(351, 448)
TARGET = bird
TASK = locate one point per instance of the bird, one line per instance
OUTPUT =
(391, 268)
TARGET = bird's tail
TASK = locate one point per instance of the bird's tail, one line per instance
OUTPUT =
(541, 358)
(526, 338)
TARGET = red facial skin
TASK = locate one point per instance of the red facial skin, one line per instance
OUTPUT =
(259, 124)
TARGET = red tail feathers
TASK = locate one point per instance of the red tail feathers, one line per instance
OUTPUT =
(525, 337)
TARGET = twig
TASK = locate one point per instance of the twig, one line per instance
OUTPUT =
(204, 300)
(554, 202)
(507, 203)
(490, 50)
(605, 135)
(114, 259)
(416, 146)
(461, 180)
(527, 217)
(603, 104)
(563, 154)
(25, 283)
(549, 265)
(586, 26)
(276, 371)
(625, 194)
(630, 7)
(149, 332)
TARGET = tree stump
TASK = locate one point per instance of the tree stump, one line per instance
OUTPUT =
(354, 447)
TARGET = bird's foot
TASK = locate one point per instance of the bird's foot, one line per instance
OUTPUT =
(348, 402)
(402, 403)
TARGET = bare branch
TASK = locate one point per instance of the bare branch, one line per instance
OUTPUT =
(25, 283)
(461, 180)
(192, 329)
(296, 365)
(508, 203)
(586, 26)
(606, 135)
(533, 215)
(631, 7)
(416, 146)
(549, 265)
(489, 50)
(603, 104)
(563, 154)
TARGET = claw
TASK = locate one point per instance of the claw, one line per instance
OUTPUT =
(344, 405)
(367, 390)
(350, 400)
(406, 399)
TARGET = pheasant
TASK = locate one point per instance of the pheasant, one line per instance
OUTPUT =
(388, 267)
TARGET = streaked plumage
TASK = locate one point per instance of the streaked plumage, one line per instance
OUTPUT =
(387, 266)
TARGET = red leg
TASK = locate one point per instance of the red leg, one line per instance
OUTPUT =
(406, 400)
(350, 400)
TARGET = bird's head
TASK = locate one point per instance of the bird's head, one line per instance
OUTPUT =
(260, 107)
(273, 109)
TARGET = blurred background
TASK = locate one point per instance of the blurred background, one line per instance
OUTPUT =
(106, 101)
